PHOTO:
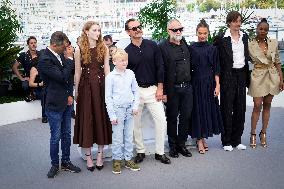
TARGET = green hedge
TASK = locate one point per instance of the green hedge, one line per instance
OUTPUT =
(8, 99)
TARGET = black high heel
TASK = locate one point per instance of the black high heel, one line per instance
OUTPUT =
(99, 167)
(90, 168)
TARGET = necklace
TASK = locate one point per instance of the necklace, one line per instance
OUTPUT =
(265, 44)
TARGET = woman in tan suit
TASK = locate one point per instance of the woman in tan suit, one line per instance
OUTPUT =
(266, 79)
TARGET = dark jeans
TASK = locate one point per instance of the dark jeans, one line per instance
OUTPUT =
(179, 105)
(40, 95)
(233, 108)
(60, 128)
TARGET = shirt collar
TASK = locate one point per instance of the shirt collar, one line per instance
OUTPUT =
(142, 43)
(175, 45)
(55, 54)
(118, 73)
(228, 33)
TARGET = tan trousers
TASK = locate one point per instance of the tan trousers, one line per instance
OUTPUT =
(156, 109)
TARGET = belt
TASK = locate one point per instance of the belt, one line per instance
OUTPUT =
(182, 84)
(237, 70)
(263, 66)
(145, 85)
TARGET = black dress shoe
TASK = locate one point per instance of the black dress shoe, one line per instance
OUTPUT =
(99, 167)
(163, 158)
(139, 157)
(184, 151)
(91, 168)
(173, 153)
(44, 120)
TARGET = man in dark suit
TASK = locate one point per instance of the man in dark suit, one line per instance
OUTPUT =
(56, 72)
(234, 77)
(178, 88)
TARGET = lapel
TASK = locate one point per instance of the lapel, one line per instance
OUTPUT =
(54, 59)
(245, 42)
(228, 46)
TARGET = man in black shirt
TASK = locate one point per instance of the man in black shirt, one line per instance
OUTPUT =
(178, 89)
(145, 60)
(27, 60)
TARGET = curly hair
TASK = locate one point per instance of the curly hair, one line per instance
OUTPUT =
(85, 45)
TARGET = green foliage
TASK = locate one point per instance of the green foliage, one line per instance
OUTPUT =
(245, 22)
(190, 7)
(262, 4)
(155, 15)
(9, 25)
(8, 99)
(207, 5)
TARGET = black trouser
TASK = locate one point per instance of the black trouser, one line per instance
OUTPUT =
(233, 108)
(179, 105)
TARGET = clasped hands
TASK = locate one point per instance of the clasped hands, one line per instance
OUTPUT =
(115, 122)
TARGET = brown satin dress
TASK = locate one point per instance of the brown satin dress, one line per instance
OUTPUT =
(92, 124)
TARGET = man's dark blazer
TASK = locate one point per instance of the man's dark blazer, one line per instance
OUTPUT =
(224, 46)
(58, 80)
(169, 66)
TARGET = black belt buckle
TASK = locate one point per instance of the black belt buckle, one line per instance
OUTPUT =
(144, 85)
(182, 85)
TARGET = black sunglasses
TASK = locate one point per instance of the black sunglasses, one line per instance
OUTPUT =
(135, 28)
(178, 29)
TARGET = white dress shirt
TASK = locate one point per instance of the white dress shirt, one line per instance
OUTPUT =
(238, 50)
(56, 55)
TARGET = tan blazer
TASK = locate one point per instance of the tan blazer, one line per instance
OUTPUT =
(265, 78)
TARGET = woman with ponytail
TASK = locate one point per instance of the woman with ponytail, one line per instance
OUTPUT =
(91, 65)
(206, 115)
(266, 79)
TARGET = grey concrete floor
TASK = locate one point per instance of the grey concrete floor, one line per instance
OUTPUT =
(24, 162)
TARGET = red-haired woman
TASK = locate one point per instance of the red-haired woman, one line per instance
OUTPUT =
(92, 125)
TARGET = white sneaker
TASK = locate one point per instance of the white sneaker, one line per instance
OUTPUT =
(228, 148)
(241, 147)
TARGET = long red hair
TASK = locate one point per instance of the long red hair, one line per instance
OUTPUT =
(85, 45)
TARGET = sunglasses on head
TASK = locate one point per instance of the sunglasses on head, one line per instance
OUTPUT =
(135, 28)
(178, 29)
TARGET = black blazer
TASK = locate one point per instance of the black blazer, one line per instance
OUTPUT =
(224, 46)
(58, 80)
(169, 66)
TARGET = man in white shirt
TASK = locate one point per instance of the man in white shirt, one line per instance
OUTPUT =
(234, 78)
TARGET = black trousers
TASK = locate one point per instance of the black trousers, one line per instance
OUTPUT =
(179, 106)
(233, 108)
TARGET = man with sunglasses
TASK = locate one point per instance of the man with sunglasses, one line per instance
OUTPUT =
(178, 88)
(145, 60)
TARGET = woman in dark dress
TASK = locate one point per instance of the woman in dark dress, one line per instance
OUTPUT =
(206, 116)
(36, 84)
(91, 65)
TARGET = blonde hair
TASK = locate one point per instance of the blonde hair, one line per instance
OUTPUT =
(119, 54)
(85, 45)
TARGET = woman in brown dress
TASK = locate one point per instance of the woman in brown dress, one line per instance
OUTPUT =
(91, 65)
(266, 79)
